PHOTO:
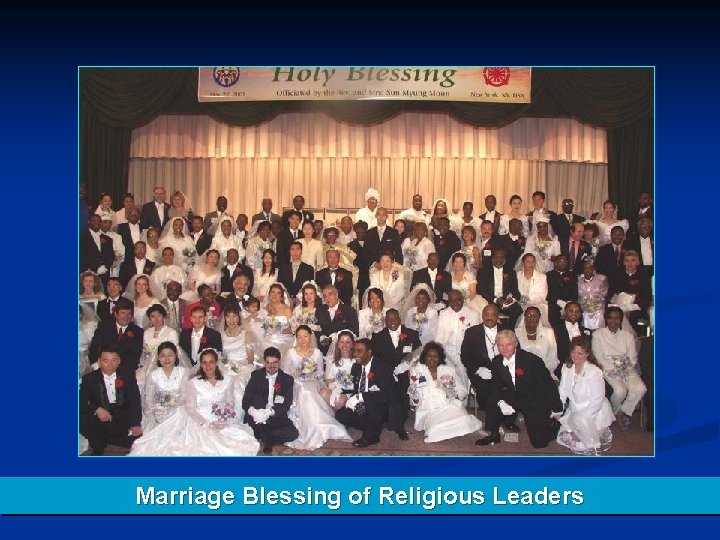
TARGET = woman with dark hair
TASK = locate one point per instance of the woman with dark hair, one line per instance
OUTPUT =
(515, 212)
(538, 339)
(585, 426)
(372, 317)
(591, 235)
(163, 386)
(616, 353)
(464, 280)
(205, 272)
(91, 289)
(401, 227)
(309, 300)
(157, 333)
(417, 248)
(338, 366)
(206, 425)
(532, 284)
(238, 350)
(105, 207)
(592, 295)
(608, 220)
(265, 276)
(391, 278)
(420, 313)
(439, 406)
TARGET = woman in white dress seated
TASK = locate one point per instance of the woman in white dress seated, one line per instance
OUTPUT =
(585, 425)
(315, 421)
(141, 291)
(238, 352)
(257, 244)
(544, 245)
(167, 272)
(163, 393)
(311, 247)
(91, 289)
(176, 235)
(532, 284)
(276, 314)
(463, 280)
(616, 353)
(608, 220)
(390, 277)
(226, 239)
(308, 302)
(438, 399)
(205, 272)
(338, 365)
(515, 212)
(416, 249)
(153, 336)
(592, 294)
(371, 319)
(422, 315)
(538, 339)
(205, 425)
(265, 276)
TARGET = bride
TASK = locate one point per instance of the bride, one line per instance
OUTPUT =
(463, 280)
(315, 421)
(608, 220)
(204, 425)
(276, 329)
(163, 394)
(515, 212)
(440, 412)
(176, 235)
(238, 352)
(226, 239)
(206, 272)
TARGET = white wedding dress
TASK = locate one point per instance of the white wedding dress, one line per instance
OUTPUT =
(477, 303)
(163, 395)
(235, 360)
(193, 431)
(440, 412)
(426, 325)
(313, 417)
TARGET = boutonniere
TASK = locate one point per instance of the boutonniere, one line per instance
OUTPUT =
(371, 376)
(519, 372)
(277, 387)
(438, 277)
(623, 250)
(403, 336)
(442, 242)
(129, 334)
(505, 275)
(237, 269)
(566, 279)
(633, 282)
(339, 277)
(462, 319)
(520, 240)
(586, 332)
(119, 383)
(203, 339)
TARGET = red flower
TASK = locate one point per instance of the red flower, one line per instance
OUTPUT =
(505, 276)
(438, 277)
(277, 387)
(442, 242)
(633, 282)
(129, 333)
(566, 279)
(520, 240)
(370, 376)
(413, 378)
(339, 277)
(237, 269)
(103, 240)
(119, 383)
(462, 319)
(403, 336)
(203, 339)
(519, 372)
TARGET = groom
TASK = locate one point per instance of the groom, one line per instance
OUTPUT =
(110, 410)
(266, 402)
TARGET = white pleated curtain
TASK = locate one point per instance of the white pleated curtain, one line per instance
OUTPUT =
(332, 164)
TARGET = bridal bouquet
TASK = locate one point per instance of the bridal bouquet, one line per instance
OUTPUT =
(308, 370)
(420, 318)
(543, 248)
(306, 317)
(223, 412)
(410, 256)
(271, 325)
(344, 379)
(621, 368)
(229, 364)
(376, 322)
(447, 383)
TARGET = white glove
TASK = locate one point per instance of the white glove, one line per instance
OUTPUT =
(633, 307)
(506, 409)
(314, 327)
(102, 270)
(555, 415)
(561, 303)
(334, 395)
(401, 368)
(260, 416)
(484, 373)
(353, 401)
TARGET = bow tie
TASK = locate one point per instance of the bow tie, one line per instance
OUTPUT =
(506, 362)
(110, 378)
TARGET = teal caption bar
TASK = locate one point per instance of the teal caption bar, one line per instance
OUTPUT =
(360, 496)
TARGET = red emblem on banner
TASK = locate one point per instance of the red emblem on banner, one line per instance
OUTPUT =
(496, 76)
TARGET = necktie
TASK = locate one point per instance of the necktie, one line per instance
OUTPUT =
(363, 381)
(617, 254)
(569, 218)
(174, 314)
(294, 270)
(573, 253)
(120, 333)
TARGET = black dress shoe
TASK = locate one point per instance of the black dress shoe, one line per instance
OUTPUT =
(512, 428)
(491, 439)
(403, 435)
(363, 443)
(267, 448)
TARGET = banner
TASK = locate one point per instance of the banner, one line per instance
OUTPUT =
(488, 84)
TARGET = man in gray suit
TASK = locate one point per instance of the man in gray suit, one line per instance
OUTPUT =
(267, 213)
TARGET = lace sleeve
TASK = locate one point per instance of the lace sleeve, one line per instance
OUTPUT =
(191, 400)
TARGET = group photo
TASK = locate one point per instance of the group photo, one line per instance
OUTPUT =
(345, 276)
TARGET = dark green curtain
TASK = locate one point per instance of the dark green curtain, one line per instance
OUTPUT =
(114, 101)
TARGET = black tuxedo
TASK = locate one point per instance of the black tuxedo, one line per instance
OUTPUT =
(105, 312)
(282, 244)
(128, 269)
(583, 253)
(240, 270)
(513, 249)
(126, 411)
(203, 243)
(636, 216)
(562, 338)
(129, 346)
(374, 245)
(474, 355)
(278, 428)
(561, 226)
(260, 216)
(343, 282)
(363, 262)
(346, 318)
(606, 261)
(445, 246)
(128, 243)
(92, 258)
(637, 284)
(496, 221)
(305, 273)
(442, 287)
(560, 287)
(634, 244)
(534, 394)
(486, 289)
(231, 299)
(384, 351)
(493, 243)
(376, 404)
(149, 216)
(212, 341)
(307, 216)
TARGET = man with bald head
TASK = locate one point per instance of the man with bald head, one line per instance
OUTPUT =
(266, 214)
(382, 238)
